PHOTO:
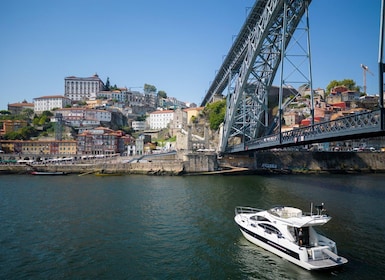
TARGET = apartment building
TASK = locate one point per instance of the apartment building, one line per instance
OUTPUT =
(73, 114)
(160, 119)
(100, 141)
(48, 103)
(40, 147)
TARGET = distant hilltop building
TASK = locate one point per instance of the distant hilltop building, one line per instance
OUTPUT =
(18, 108)
(81, 89)
(50, 102)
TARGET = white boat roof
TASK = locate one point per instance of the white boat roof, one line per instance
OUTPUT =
(295, 217)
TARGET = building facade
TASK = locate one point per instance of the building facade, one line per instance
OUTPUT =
(100, 141)
(76, 114)
(12, 125)
(18, 108)
(40, 147)
(48, 103)
(160, 119)
(81, 89)
(139, 125)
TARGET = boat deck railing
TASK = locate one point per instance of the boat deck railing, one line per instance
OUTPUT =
(246, 210)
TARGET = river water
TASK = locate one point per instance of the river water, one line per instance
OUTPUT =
(148, 227)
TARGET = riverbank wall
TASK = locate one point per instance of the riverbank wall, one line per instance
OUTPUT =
(310, 162)
(209, 163)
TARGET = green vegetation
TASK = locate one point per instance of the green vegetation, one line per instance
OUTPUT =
(43, 119)
(349, 83)
(149, 88)
(216, 113)
(4, 112)
(141, 118)
(162, 94)
(24, 133)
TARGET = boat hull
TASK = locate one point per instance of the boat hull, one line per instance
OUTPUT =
(40, 173)
(316, 257)
(107, 174)
(290, 255)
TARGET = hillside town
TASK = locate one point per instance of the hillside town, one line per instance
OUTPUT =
(94, 119)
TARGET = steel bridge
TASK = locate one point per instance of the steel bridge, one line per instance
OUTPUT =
(274, 39)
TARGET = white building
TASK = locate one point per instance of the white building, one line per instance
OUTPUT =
(78, 89)
(118, 95)
(135, 98)
(139, 125)
(71, 114)
(47, 103)
(160, 119)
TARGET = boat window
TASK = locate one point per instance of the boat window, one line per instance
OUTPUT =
(270, 229)
(259, 218)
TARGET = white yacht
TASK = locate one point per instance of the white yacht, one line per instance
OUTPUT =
(289, 233)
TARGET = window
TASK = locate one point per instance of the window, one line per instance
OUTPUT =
(270, 229)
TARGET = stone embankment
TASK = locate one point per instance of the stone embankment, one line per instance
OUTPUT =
(208, 163)
(310, 162)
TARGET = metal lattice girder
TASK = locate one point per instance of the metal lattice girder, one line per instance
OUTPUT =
(369, 122)
(236, 54)
(361, 124)
(247, 104)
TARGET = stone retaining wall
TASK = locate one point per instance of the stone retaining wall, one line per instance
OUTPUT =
(311, 161)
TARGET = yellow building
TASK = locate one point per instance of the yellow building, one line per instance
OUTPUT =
(192, 112)
(12, 125)
(37, 147)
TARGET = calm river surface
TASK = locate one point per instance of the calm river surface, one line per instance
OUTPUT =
(145, 227)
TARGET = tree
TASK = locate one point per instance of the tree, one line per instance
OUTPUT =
(149, 88)
(348, 83)
(107, 85)
(5, 112)
(28, 113)
(141, 118)
(216, 112)
(162, 94)
(47, 114)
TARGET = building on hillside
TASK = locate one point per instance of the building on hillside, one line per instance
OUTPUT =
(193, 112)
(129, 145)
(160, 119)
(139, 125)
(12, 125)
(100, 141)
(81, 89)
(40, 147)
(18, 108)
(369, 102)
(291, 118)
(96, 104)
(70, 114)
(179, 119)
(119, 95)
(135, 98)
(50, 102)
(151, 99)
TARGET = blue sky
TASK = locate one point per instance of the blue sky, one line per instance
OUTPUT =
(175, 45)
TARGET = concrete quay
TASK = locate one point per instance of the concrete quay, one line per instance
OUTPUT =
(198, 163)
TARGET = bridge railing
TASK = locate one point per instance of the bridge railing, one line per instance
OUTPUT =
(354, 124)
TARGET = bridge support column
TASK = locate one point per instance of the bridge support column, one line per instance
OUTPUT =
(381, 66)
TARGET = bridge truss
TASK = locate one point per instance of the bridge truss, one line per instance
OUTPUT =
(275, 38)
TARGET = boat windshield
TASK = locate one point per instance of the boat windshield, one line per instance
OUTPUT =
(286, 212)
(259, 218)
